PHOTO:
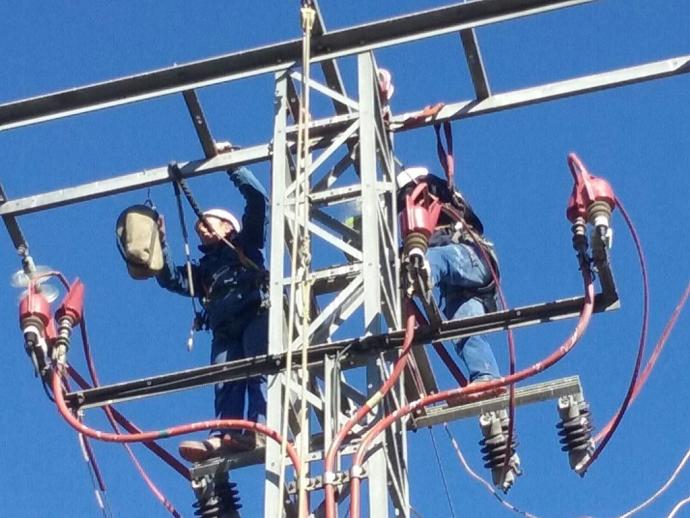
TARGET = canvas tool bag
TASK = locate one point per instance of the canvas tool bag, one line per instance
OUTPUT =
(139, 241)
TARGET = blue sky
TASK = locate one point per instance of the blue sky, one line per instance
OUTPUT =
(511, 165)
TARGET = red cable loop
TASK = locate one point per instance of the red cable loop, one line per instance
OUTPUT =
(560, 352)
(606, 434)
(174, 431)
(366, 408)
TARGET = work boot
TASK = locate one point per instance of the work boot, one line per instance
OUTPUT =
(214, 446)
(237, 441)
(200, 451)
(259, 440)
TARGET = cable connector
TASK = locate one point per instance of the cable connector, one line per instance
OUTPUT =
(329, 478)
(357, 471)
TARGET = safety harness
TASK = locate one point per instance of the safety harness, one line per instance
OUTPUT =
(461, 223)
(180, 186)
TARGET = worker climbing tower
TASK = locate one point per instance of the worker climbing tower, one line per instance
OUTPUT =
(325, 381)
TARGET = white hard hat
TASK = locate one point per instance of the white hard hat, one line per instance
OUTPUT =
(411, 175)
(225, 215)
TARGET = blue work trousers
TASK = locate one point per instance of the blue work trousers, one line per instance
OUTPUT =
(455, 270)
(248, 339)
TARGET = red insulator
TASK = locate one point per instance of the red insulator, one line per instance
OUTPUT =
(72, 306)
(34, 307)
(421, 212)
(587, 190)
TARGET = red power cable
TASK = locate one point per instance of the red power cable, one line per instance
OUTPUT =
(164, 455)
(661, 343)
(565, 347)
(366, 408)
(613, 424)
(174, 431)
(162, 499)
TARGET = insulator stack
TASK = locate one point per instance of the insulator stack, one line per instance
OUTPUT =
(575, 431)
(216, 498)
(494, 426)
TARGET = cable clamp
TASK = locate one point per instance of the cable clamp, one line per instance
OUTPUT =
(329, 478)
(357, 471)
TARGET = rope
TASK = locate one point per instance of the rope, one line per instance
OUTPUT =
(303, 162)
(300, 262)
(188, 261)
(443, 474)
(445, 156)
(176, 173)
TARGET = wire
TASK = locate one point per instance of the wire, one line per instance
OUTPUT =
(162, 499)
(678, 506)
(643, 377)
(99, 493)
(658, 348)
(443, 474)
(555, 356)
(663, 488)
(148, 436)
(481, 480)
(366, 408)
(94, 471)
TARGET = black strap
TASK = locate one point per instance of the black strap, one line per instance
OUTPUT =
(176, 173)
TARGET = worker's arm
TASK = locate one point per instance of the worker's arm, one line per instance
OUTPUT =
(171, 277)
(254, 219)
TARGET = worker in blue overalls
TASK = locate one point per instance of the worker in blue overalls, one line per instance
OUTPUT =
(231, 280)
(459, 263)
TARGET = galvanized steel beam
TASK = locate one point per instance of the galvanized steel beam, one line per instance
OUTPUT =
(270, 58)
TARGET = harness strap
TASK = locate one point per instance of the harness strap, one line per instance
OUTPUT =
(199, 317)
(176, 173)
(445, 154)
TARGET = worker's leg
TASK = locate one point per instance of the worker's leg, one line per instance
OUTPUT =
(474, 351)
(255, 343)
(457, 268)
(229, 400)
(457, 265)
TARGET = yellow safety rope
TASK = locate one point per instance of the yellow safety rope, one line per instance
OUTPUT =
(300, 263)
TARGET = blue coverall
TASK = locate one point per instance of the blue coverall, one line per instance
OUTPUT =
(457, 270)
(233, 296)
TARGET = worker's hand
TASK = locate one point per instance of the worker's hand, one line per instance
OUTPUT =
(223, 146)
